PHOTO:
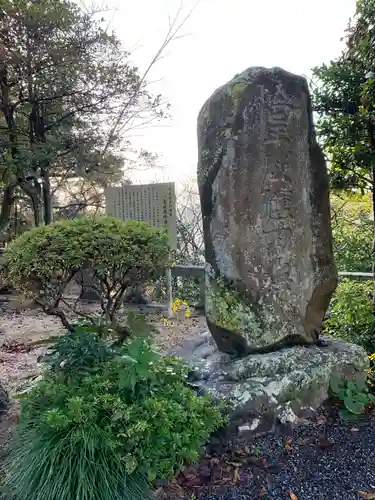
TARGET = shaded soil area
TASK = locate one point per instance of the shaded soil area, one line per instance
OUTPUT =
(21, 325)
(323, 460)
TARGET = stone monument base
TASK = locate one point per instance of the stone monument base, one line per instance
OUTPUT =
(283, 384)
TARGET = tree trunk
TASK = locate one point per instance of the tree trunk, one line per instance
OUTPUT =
(32, 185)
(37, 211)
(12, 153)
(6, 207)
(47, 197)
(37, 204)
(33, 189)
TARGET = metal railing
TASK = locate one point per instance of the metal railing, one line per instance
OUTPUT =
(198, 272)
(186, 271)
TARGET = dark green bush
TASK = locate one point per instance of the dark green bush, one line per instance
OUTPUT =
(351, 314)
(78, 352)
(104, 418)
(116, 254)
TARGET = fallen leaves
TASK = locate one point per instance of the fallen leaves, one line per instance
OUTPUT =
(263, 492)
(260, 463)
(293, 496)
(370, 495)
(325, 443)
(190, 477)
(321, 420)
(215, 471)
(13, 346)
(288, 445)
(234, 464)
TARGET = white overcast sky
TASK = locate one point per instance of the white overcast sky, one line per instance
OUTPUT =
(224, 38)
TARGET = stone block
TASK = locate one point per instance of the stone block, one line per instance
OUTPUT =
(284, 383)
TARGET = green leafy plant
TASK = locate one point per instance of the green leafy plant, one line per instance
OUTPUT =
(122, 415)
(351, 314)
(114, 254)
(354, 394)
(79, 352)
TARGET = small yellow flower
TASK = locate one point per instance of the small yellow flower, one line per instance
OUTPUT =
(179, 304)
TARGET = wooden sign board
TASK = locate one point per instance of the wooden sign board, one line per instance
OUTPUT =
(152, 203)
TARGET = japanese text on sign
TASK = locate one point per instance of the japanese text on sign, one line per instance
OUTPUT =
(152, 203)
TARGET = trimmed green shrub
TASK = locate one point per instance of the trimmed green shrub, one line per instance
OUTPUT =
(351, 314)
(45, 260)
(103, 424)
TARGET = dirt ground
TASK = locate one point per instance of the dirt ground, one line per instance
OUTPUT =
(21, 325)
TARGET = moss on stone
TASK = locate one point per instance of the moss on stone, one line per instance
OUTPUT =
(227, 309)
(236, 92)
(232, 310)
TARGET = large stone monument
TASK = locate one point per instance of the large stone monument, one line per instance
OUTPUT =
(269, 266)
(265, 203)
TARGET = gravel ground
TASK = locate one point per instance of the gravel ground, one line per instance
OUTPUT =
(315, 462)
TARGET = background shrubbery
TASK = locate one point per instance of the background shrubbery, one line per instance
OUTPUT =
(351, 309)
(351, 314)
(353, 232)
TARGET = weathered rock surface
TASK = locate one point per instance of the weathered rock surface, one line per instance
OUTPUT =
(284, 383)
(266, 216)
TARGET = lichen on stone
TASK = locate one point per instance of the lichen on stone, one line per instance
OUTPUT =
(299, 376)
(296, 377)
